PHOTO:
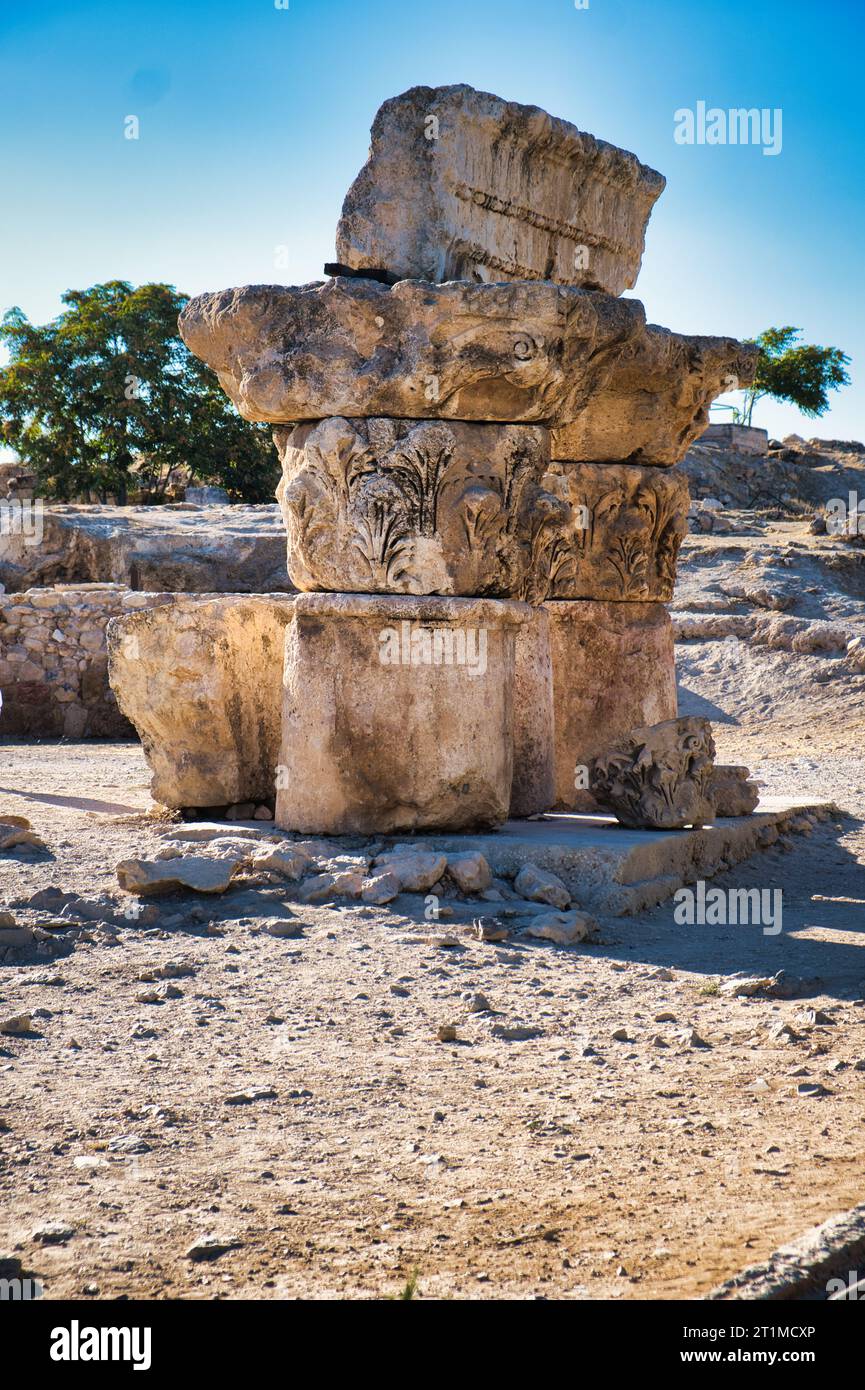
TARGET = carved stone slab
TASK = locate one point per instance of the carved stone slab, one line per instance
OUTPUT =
(656, 400)
(461, 185)
(397, 714)
(420, 507)
(660, 777)
(626, 527)
(529, 351)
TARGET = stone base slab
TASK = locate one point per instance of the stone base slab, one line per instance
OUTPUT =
(802, 1269)
(617, 872)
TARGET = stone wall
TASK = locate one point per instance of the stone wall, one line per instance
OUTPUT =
(54, 664)
(176, 549)
(747, 439)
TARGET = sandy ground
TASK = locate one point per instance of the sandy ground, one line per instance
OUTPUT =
(572, 1164)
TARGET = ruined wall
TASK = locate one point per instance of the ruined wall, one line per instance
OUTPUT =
(54, 664)
(182, 548)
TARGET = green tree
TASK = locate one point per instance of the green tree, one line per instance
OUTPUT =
(107, 398)
(800, 373)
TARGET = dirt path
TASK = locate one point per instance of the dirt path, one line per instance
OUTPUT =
(569, 1165)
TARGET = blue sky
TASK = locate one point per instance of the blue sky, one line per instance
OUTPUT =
(254, 120)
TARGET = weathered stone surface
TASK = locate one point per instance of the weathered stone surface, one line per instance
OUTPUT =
(322, 887)
(415, 871)
(53, 1233)
(803, 1269)
(613, 671)
(13, 937)
(207, 832)
(284, 862)
(380, 889)
(626, 527)
(210, 1247)
(16, 1025)
(659, 777)
(730, 791)
(17, 480)
(380, 731)
(656, 399)
(744, 439)
(541, 886)
(237, 549)
(201, 680)
(533, 786)
(470, 871)
(148, 878)
(563, 928)
(282, 927)
(420, 507)
(526, 351)
(17, 832)
(54, 664)
(461, 185)
(613, 874)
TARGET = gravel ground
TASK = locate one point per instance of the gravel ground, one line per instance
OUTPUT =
(613, 1124)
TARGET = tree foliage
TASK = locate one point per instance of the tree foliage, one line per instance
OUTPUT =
(108, 399)
(799, 373)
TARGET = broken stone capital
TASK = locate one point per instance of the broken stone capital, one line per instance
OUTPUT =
(659, 778)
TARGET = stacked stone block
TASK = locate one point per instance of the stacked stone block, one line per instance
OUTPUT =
(475, 435)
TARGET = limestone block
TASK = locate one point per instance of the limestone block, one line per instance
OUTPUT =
(397, 714)
(16, 831)
(285, 862)
(470, 872)
(731, 792)
(380, 889)
(420, 507)
(526, 351)
(533, 786)
(656, 400)
(461, 185)
(625, 530)
(613, 671)
(659, 778)
(237, 549)
(148, 878)
(415, 872)
(201, 680)
(563, 928)
(541, 886)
